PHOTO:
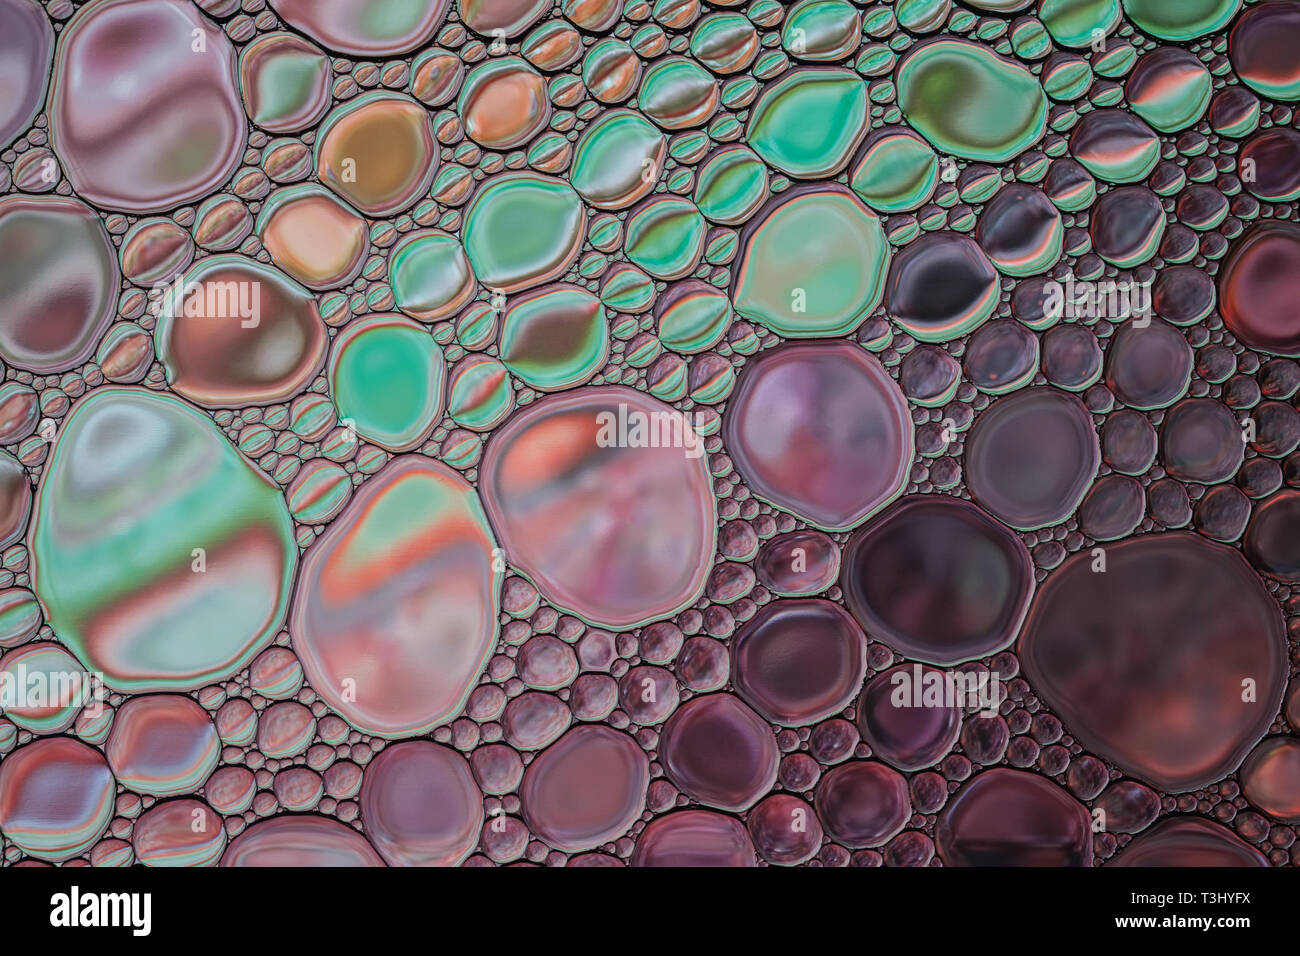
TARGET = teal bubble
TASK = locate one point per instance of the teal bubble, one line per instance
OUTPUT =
(808, 123)
(555, 338)
(617, 160)
(922, 16)
(1169, 88)
(480, 393)
(1181, 19)
(732, 184)
(665, 237)
(813, 264)
(386, 378)
(1066, 77)
(625, 288)
(319, 491)
(163, 558)
(430, 275)
(821, 30)
(678, 93)
(968, 101)
(725, 42)
(1072, 22)
(693, 316)
(522, 230)
(897, 171)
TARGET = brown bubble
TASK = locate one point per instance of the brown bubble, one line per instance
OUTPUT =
(313, 237)
(504, 103)
(1201, 441)
(1273, 536)
(903, 727)
(378, 152)
(156, 250)
(1270, 778)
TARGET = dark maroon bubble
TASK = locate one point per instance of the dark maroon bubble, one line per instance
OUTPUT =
(1130, 807)
(798, 563)
(1148, 367)
(26, 49)
(585, 789)
(1018, 228)
(1259, 286)
(785, 830)
(300, 840)
(1168, 503)
(1000, 356)
(420, 805)
(1273, 537)
(1126, 224)
(863, 804)
(1010, 818)
(1222, 513)
(1128, 442)
(939, 285)
(1106, 138)
(1071, 356)
(938, 580)
(1189, 841)
(694, 838)
(1274, 158)
(720, 752)
(928, 374)
(1148, 662)
(820, 430)
(1112, 508)
(898, 723)
(1183, 294)
(1262, 47)
(1201, 441)
(1277, 429)
(1031, 456)
(798, 662)
(1270, 778)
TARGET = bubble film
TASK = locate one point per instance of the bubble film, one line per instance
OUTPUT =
(509, 433)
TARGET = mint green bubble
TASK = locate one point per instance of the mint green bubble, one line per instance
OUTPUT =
(618, 160)
(897, 172)
(724, 42)
(678, 93)
(815, 264)
(732, 183)
(523, 229)
(821, 30)
(480, 393)
(665, 237)
(162, 556)
(1181, 19)
(430, 275)
(693, 316)
(625, 288)
(808, 123)
(386, 376)
(968, 101)
(1072, 22)
(555, 338)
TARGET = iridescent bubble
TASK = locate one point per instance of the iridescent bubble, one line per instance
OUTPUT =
(941, 286)
(863, 803)
(611, 71)
(162, 744)
(285, 729)
(436, 77)
(430, 275)
(1201, 441)
(236, 332)
(812, 262)
(732, 183)
(56, 798)
(480, 393)
(726, 43)
(1115, 146)
(798, 563)
(617, 160)
(552, 46)
(586, 789)
(364, 27)
(1031, 456)
(15, 499)
(285, 82)
(602, 498)
(163, 132)
(1001, 356)
(378, 152)
(155, 250)
(395, 613)
(1008, 817)
(26, 50)
(1189, 841)
(318, 492)
(1127, 226)
(421, 806)
(785, 830)
(1273, 535)
(300, 840)
(58, 280)
(1262, 47)
(692, 316)
(1145, 663)
(798, 662)
(1185, 20)
(510, 17)
(1072, 22)
(691, 838)
(896, 171)
(386, 376)
(720, 752)
(1259, 284)
(522, 230)
(1169, 88)
(554, 338)
(821, 30)
(503, 103)
(1273, 157)
(808, 123)
(665, 237)
(905, 717)
(146, 517)
(313, 237)
(1001, 109)
(1148, 367)
(1270, 778)
(1021, 231)
(678, 93)
(43, 687)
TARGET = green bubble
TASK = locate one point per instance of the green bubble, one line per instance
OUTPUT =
(808, 123)
(732, 184)
(814, 265)
(319, 492)
(820, 30)
(626, 288)
(724, 42)
(386, 377)
(480, 393)
(1178, 97)
(1066, 77)
(693, 317)
(430, 275)
(1072, 22)
(678, 93)
(555, 338)
(922, 16)
(1181, 19)
(522, 229)
(617, 160)
(968, 101)
(665, 237)
(898, 171)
